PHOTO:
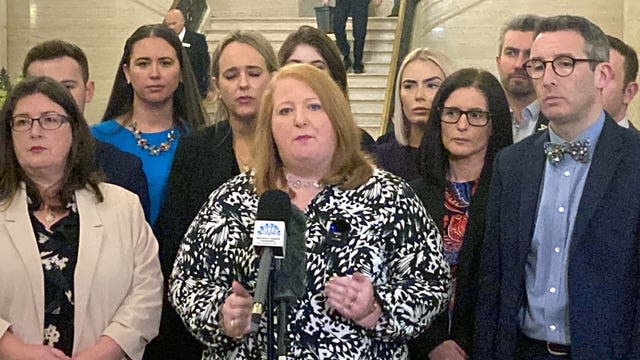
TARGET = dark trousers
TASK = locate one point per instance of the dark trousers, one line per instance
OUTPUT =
(359, 10)
(174, 341)
(529, 349)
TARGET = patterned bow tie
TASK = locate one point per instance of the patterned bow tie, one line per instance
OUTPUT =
(579, 151)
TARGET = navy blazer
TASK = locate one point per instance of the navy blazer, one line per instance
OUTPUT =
(123, 169)
(198, 52)
(204, 160)
(604, 256)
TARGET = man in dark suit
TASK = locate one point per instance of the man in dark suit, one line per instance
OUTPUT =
(196, 46)
(516, 38)
(623, 86)
(67, 63)
(560, 273)
(359, 12)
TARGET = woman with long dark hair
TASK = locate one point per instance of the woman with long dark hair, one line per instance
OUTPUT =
(79, 270)
(469, 123)
(153, 103)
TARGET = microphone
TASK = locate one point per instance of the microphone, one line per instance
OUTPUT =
(290, 275)
(269, 234)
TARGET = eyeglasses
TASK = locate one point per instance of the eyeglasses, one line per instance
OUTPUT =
(47, 121)
(562, 65)
(475, 117)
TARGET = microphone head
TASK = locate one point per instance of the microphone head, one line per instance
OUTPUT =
(274, 205)
(290, 278)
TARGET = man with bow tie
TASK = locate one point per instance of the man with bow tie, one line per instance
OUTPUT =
(196, 46)
(560, 273)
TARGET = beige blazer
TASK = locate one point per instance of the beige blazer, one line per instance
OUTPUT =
(117, 282)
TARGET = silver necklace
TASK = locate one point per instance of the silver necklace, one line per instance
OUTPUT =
(152, 149)
(298, 182)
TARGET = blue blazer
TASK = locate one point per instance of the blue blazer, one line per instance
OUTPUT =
(604, 256)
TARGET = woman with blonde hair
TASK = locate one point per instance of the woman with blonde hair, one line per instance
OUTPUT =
(374, 266)
(421, 73)
(241, 67)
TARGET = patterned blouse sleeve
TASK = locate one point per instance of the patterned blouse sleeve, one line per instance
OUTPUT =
(417, 287)
(203, 272)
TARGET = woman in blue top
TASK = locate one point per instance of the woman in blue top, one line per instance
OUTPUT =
(153, 102)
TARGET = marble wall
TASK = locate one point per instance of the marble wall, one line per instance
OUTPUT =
(99, 27)
(465, 29)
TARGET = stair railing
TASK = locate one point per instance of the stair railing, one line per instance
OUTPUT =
(401, 47)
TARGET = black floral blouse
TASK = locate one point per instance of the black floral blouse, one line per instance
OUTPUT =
(389, 238)
(58, 254)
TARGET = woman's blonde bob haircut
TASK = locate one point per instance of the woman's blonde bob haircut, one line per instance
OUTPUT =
(350, 167)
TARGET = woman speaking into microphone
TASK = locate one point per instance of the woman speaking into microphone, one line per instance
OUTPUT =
(375, 273)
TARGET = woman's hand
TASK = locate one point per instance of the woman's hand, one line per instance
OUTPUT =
(352, 296)
(377, 3)
(11, 347)
(325, 2)
(104, 349)
(236, 312)
(448, 350)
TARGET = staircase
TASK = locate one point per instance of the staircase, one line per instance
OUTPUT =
(366, 91)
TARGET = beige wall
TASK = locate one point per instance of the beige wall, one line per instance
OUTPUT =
(465, 29)
(631, 35)
(3, 33)
(99, 27)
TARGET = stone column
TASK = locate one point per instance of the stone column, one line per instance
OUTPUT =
(631, 36)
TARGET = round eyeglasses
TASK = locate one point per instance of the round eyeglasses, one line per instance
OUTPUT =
(475, 117)
(47, 121)
(562, 65)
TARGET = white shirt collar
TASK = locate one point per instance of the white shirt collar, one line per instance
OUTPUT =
(181, 35)
(624, 122)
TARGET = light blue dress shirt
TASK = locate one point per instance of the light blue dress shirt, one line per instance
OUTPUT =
(546, 315)
(528, 125)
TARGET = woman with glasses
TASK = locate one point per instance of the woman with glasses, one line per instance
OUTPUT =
(79, 269)
(470, 122)
(421, 73)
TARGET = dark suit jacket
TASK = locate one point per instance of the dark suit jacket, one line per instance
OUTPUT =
(198, 52)
(204, 160)
(123, 169)
(463, 321)
(604, 265)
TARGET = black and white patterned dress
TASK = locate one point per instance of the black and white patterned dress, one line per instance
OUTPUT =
(58, 250)
(391, 240)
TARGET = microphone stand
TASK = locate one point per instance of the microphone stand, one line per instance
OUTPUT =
(269, 311)
(282, 323)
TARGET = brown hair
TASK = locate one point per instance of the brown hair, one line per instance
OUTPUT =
(186, 99)
(79, 172)
(350, 167)
(326, 47)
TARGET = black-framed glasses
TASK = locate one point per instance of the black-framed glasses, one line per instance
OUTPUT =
(47, 121)
(475, 117)
(562, 65)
